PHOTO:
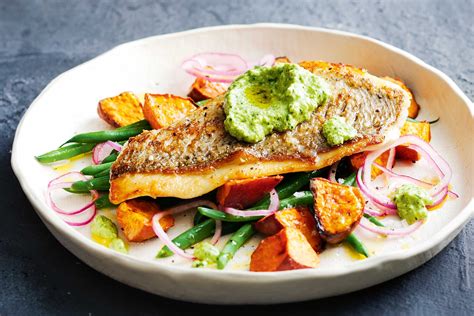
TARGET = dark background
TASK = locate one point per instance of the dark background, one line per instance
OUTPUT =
(41, 39)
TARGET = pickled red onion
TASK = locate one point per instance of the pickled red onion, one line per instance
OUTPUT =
(56, 184)
(221, 67)
(172, 211)
(366, 224)
(102, 150)
(272, 208)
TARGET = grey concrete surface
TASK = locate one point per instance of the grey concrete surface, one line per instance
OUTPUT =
(41, 39)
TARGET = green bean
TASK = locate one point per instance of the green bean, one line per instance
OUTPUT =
(64, 153)
(240, 237)
(351, 179)
(102, 136)
(198, 218)
(357, 245)
(119, 134)
(294, 183)
(303, 198)
(104, 202)
(101, 184)
(225, 217)
(374, 220)
(104, 173)
(306, 198)
(202, 102)
(352, 239)
(196, 234)
(142, 123)
(110, 158)
(94, 169)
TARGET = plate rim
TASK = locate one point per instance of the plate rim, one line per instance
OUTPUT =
(457, 223)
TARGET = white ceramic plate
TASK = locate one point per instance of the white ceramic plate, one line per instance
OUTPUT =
(68, 105)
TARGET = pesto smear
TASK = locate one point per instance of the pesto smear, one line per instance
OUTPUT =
(411, 201)
(104, 231)
(206, 254)
(337, 131)
(269, 99)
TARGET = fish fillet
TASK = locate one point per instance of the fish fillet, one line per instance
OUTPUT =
(196, 155)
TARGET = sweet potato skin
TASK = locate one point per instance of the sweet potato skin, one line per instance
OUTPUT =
(286, 250)
(161, 110)
(300, 218)
(134, 218)
(203, 89)
(282, 60)
(358, 160)
(123, 109)
(338, 209)
(244, 193)
(414, 107)
(420, 129)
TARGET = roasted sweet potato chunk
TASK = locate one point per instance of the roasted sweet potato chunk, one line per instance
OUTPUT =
(244, 193)
(123, 109)
(338, 209)
(358, 160)
(161, 110)
(203, 89)
(420, 129)
(283, 60)
(300, 218)
(134, 218)
(286, 250)
(414, 107)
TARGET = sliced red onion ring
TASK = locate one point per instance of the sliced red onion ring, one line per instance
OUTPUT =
(438, 199)
(413, 180)
(266, 61)
(272, 208)
(163, 236)
(372, 212)
(217, 232)
(378, 199)
(57, 183)
(221, 67)
(102, 150)
(391, 158)
(332, 172)
(400, 232)
(85, 222)
(416, 143)
(217, 67)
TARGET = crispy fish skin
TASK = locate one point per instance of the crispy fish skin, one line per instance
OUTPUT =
(196, 155)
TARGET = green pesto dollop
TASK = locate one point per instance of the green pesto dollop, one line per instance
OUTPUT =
(411, 201)
(337, 131)
(206, 254)
(103, 227)
(118, 244)
(269, 99)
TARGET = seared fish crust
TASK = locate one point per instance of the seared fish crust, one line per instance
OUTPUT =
(196, 155)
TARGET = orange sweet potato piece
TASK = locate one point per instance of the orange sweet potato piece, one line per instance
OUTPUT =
(134, 218)
(123, 109)
(244, 193)
(203, 89)
(286, 250)
(338, 209)
(300, 218)
(420, 129)
(358, 160)
(282, 60)
(161, 110)
(414, 108)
